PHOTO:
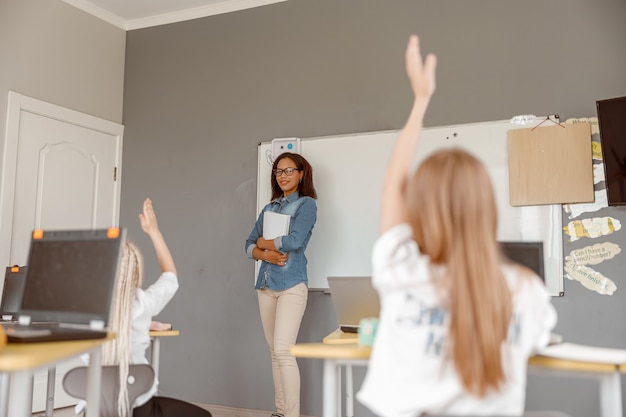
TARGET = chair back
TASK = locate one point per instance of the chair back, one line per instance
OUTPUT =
(140, 380)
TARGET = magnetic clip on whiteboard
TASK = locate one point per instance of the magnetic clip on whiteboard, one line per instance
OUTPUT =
(280, 145)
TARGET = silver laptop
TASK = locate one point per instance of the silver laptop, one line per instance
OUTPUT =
(69, 286)
(354, 298)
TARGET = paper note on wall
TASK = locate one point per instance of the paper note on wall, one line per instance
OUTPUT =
(592, 228)
(590, 279)
(593, 255)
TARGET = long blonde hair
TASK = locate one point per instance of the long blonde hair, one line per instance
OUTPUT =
(453, 214)
(119, 351)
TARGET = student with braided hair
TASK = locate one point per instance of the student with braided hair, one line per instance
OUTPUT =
(132, 312)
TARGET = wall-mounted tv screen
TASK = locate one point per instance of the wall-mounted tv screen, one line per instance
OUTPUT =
(612, 122)
(529, 254)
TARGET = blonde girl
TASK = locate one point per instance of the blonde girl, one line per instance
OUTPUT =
(458, 322)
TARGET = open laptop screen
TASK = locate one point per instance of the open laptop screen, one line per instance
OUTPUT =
(529, 254)
(353, 298)
(71, 275)
(14, 281)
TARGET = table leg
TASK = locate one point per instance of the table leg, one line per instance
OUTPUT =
(94, 380)
(338, 390)
(4, 394)
(330, 388)
(155, 352)
(52, 374)
(349, 392)
(21, 394)
(611, 395)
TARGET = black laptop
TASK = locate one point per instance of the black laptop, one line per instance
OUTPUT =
(529, 254)
(12, 292)
(69, 286)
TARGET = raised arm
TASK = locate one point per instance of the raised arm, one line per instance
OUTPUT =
(421, 74)
(151, 227)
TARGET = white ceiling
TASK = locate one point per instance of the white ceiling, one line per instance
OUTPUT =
(136, 14)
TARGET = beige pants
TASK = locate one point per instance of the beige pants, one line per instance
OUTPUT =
(281, 314)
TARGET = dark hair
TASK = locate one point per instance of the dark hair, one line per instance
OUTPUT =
(306, 187)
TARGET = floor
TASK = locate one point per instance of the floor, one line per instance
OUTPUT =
(69, 412)
(61, 412)
(216, 411)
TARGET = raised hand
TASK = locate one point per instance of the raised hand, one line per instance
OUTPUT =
(421, 73)
(148, 218)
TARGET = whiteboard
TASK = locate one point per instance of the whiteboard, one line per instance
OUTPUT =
(348, 172)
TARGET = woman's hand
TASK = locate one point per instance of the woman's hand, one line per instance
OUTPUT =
(265, 244)
(275, 257)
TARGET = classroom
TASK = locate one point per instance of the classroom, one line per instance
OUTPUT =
(196, 97)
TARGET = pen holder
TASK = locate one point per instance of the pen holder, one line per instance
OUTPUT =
(367, 331)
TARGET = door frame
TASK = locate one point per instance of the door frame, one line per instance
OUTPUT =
(18, 103)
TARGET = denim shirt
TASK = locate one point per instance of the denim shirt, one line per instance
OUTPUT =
(303, 212)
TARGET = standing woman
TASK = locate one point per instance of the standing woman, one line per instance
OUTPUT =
(282, 284)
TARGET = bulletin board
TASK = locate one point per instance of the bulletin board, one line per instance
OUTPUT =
(592, 233)
(348, 172)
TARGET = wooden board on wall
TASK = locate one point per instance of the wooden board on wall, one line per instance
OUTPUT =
(551, 165)
(348, 172)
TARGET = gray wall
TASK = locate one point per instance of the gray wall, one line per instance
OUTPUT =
(54, 52)
(200, 95)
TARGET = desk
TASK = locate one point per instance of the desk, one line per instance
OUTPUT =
(19, 361)
(341, 349)
(607, 374)
(155, 349)
(335, 356)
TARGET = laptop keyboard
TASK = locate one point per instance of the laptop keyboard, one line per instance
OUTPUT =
(48, 332)
(349, 329)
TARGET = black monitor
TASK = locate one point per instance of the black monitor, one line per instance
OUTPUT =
(612, 123)
(14, 283)
(529, 254)
(71, 275)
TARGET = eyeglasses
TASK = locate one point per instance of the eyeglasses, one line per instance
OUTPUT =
(288, 171)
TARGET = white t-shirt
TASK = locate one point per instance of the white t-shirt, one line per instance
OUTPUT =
(147, 304)
(407, 373)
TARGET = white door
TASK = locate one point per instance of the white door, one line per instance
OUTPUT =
(65, 179)
(60, 170)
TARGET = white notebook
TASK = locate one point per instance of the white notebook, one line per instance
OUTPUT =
(275, 224)
(575, 352)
